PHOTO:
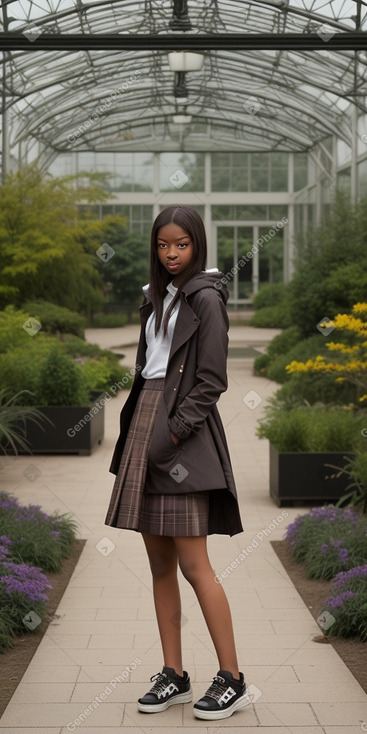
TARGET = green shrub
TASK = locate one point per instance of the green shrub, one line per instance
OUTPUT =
(282, 343)
(260, 364)
(20, 367)
(302, 350)
(312, 428)
(273, 317)
(332, 543)
(97, 374)
(30, 542)
(56, 319)
(13, 421)
(317, 538)
(270, 295)
(347, 604)
(12, 333)
(320, 388)
(60, 381)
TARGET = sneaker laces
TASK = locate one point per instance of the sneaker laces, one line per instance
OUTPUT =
(160, 683)
(215, 690)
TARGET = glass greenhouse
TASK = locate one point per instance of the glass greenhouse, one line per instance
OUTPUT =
(252, 111)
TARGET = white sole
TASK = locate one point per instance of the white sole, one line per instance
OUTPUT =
(156, 708)
(213, 715)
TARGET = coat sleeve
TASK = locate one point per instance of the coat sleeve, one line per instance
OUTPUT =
(211, 366)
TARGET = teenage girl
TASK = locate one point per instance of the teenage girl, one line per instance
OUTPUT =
(174, 480)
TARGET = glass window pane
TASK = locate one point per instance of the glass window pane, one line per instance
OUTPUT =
(181, 172)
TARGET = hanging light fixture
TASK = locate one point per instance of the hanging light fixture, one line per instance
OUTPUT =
(185, 61)
(181, 119)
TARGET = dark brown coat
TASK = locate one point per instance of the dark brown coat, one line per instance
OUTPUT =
(196, 376)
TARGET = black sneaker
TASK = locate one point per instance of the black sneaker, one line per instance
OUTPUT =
(168, 689)
(223, 697)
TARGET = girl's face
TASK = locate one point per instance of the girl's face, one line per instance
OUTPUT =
(175, 250)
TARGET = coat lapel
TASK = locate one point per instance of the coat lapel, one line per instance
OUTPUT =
(186, 324)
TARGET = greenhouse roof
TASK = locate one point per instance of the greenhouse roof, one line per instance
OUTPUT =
(124, 98)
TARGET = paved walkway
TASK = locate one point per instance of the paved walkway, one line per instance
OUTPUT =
(97, 656)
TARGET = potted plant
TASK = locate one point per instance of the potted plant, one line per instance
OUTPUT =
(75, 418)
(309, 447)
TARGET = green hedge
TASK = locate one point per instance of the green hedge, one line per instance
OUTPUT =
(56, 319)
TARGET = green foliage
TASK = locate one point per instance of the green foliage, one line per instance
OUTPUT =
(272, 304)
(311, 428)
(356, 469)
(13, 421)
(109, 321)
(282, 343)
(48, 247)
(273, 317)
(60, 381)
(55, 319)
(261, 364)
(302, 350)
(128, 269)
(330, 266)
(332, 544)
(31, 542)
(12, 334)
(347, 603)
(97, 374)
(270, 295)
(21, 366)
(320, 388)
(24, 361)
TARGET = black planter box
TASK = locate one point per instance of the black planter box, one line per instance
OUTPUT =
(74, 429)
(303, 476)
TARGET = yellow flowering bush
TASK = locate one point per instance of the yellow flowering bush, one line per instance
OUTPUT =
(347, 362)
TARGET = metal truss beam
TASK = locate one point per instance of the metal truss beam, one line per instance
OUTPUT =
(356, 40)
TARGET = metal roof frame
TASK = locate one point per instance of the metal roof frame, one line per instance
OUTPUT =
(278, 74)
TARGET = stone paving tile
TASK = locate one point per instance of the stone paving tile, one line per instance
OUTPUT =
(347, 712)
(36, 673)
(60, 714)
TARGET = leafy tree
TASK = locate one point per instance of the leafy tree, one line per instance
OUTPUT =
(128, 269)
(330, 266)
(48, 246)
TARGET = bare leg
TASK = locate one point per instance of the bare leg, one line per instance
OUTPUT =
(195, 566)
(163, 563)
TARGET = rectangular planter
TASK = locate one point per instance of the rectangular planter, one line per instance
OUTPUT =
(74, 429)
(303, 476)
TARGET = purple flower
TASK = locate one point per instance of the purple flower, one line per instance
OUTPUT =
(337, 543)
(29, 588)
(338, 601)
(344, 576)
(4, 552)
(25, 579)
(324, 547)
(343, 554)
(5, 540)
(55, 533)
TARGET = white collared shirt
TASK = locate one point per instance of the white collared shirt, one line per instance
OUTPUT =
(159, 346)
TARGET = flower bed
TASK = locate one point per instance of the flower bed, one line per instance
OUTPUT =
(31, 542)
(332, 543)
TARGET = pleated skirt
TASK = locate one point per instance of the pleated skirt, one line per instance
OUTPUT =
(131, 507)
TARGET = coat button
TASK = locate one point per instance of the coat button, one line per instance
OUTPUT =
(181, 368)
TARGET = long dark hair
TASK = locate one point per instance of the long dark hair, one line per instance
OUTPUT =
(192, 223)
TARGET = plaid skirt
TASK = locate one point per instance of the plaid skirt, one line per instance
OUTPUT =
(174, 515)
